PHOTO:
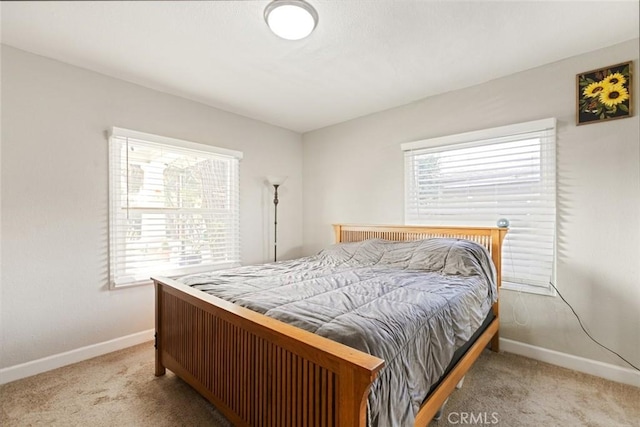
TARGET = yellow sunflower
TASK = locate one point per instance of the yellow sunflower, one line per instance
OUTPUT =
(614, 79)
(594, 89)
(614, 95)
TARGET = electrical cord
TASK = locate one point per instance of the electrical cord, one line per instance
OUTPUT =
(524, 307)
(516, 310)
(588, 334)
(515, 318)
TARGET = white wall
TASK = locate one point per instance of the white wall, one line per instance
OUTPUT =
(54, 265)
(353, 173)
(53, 175)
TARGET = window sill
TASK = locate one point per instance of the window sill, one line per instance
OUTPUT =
(173, 274)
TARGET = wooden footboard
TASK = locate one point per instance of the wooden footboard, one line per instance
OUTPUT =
(259, 371)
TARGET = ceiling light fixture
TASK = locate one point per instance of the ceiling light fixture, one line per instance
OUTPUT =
(291, 19)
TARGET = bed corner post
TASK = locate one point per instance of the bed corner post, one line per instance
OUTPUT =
(160, 369)
(495, 340)
(337, 229)
(497, 237)
(353, 390)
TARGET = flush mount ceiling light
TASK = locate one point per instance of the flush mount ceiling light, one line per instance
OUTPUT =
(291, 19)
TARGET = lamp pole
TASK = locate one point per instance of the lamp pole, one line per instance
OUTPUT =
(276, 181)
(275, 222)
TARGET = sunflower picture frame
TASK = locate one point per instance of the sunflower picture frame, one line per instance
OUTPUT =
(604, 94)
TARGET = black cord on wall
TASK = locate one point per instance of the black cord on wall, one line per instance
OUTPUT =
(589, 335)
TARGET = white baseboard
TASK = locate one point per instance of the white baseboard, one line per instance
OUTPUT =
(48, 363)
(580, 364)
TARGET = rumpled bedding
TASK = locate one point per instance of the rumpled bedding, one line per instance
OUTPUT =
(410, 303)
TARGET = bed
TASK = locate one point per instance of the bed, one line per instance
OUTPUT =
(261, 371)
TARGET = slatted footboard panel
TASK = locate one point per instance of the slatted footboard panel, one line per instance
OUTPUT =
(257, 378)
(260, 382)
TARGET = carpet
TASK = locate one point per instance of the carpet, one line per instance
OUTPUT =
(120, 389)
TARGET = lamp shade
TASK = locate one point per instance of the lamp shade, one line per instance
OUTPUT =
(291, 19)
(276, 180)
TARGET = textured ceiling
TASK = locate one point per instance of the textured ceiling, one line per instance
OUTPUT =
(364, 56)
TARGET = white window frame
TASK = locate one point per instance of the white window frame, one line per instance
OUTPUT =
(487, 137)
(118, 189)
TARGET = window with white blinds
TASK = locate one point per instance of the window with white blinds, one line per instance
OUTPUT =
(479, 177)
(174, 207)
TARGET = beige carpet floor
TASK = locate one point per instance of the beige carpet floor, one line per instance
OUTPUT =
(119, 389)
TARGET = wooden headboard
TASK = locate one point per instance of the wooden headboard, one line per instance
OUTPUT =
(489, 237)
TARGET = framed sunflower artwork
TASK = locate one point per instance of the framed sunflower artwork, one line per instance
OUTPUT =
(604, 94)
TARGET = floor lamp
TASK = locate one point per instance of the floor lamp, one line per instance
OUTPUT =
(276, 181)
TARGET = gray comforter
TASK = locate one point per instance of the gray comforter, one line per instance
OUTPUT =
(410, 303)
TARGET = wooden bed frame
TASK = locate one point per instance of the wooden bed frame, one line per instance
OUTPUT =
(259, 371)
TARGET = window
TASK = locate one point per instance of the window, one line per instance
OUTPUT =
(174, 207)
(478, 177)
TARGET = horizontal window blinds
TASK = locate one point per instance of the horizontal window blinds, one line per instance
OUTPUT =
(174, 207)
(483, 176)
